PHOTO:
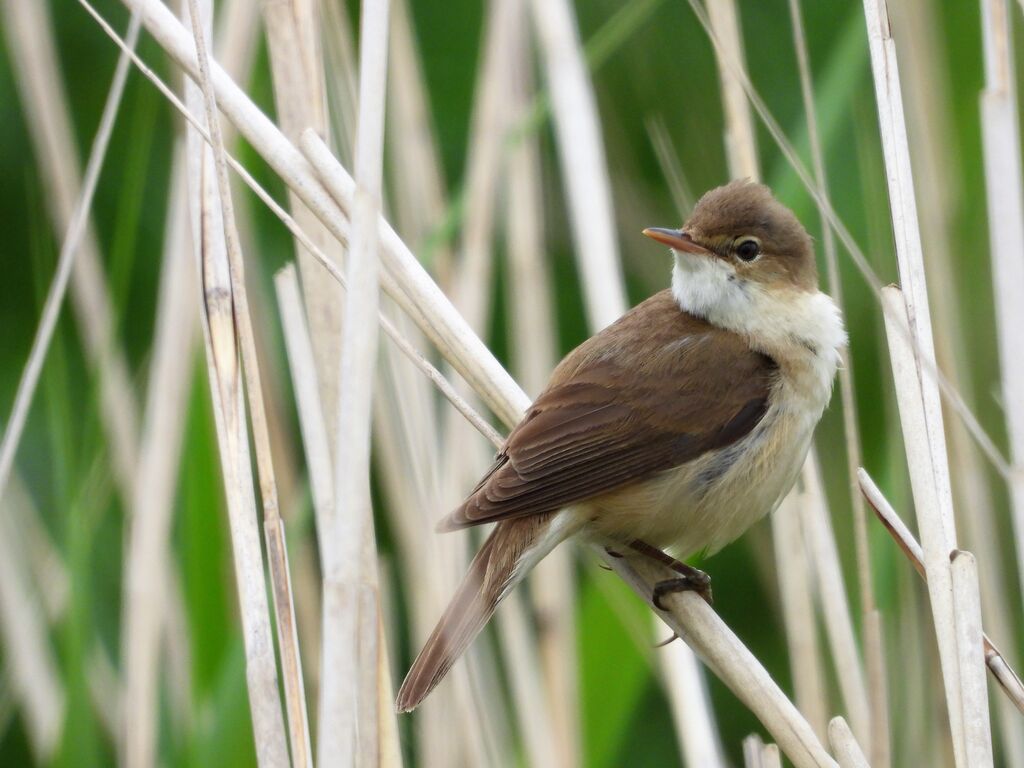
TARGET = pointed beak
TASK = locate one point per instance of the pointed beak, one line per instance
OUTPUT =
(675, 239)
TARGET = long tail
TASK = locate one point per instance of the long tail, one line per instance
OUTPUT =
(511, 550)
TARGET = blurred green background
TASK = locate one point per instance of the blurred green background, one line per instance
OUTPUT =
(650, 61)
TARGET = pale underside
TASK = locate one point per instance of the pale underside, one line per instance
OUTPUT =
(706, 503)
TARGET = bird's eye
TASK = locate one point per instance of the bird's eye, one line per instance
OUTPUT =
(748, 250)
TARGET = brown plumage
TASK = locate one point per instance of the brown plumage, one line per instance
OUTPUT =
(490, 576)
(604, 421)
(680, 425)
(601, 424)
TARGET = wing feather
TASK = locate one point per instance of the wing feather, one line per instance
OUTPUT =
(656, 389)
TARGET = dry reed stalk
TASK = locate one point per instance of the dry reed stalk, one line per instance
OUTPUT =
(49, 580)
(340, 71)
(1005, 204)
(844, 744)
(581, 155)
(441, 323)
(146, 559)
(31, 665)
(697, 623)
(920, 411)
(221, 342)
(468, 354)
(692, 714)
(418, 192)
(929, 119)
(445, 387)
(797, 593)
(913, 418)
(996, 662)
(39, 80)
(753, 746)
(234, 306)
(349, 695)
(834, 605)
(771, 757)
(871, 629)
(418, 204)
(314, 434)
(534, 349)
(236, 39)
(671, 167)
(406, 441)
(153, 595)
(69, 249)
(757, 754)
(302, 364)
(491, 121)
(740, 144)
(299, 97)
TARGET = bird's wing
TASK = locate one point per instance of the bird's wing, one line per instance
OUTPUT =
(675, 388)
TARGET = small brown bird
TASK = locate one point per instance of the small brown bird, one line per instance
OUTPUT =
(678, 426)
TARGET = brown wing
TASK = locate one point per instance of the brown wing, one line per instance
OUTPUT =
(676, 388)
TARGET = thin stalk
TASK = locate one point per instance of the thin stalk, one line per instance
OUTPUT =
(298, 80)
(146, 560)
(584, 168)
(697, 623)
(349, 696)
(39, 79)
(277, 554)
(1005, 205)
(740, 146)
(835, 606)
(918, 393)
(872, 640)
(221, 340)
(996, 662)
(65, 263)
(534, 348)
(844, 745)
(33, 674)
(929, 114)
(797, 593)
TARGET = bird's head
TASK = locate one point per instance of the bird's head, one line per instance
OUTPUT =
(739, 241)
(743, 262)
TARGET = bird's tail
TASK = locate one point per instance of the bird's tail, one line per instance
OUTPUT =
(511, 550)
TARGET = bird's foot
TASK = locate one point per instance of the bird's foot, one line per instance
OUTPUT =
(663, 643)
(690, 580)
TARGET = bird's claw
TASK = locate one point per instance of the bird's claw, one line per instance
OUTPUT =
(693, 581)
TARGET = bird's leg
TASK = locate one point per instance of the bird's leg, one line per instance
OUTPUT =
(699, 582)
(689, 579)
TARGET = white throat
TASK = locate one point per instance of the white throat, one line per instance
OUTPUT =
(794, 327)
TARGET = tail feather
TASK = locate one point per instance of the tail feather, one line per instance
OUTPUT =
(508, 554)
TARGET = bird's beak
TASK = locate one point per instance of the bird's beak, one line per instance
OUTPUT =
(675, 239)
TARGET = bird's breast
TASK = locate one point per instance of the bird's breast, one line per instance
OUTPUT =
(706, 503)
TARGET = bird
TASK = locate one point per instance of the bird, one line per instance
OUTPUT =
(674, 429)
